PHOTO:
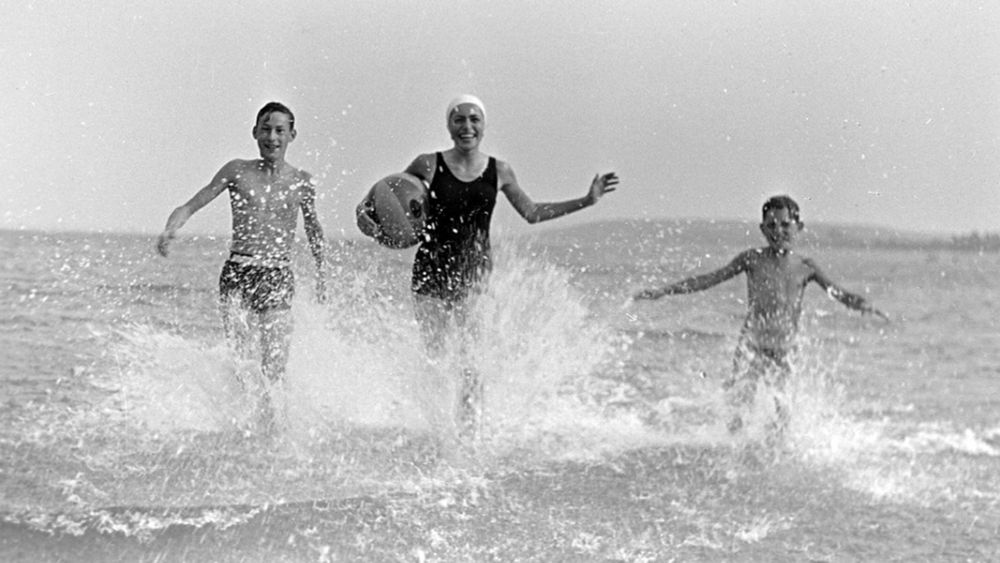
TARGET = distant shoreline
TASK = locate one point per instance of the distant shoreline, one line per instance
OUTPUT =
(837, 234)
(833, 234)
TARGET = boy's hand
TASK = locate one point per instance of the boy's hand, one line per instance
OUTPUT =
(648, 294)
(866, 309)
(873, 311)
(163, 242)
(321, 289)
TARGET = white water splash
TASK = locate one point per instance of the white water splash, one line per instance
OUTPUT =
(359, 361)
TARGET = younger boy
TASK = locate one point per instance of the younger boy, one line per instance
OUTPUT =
(776, 280)
(265, 196)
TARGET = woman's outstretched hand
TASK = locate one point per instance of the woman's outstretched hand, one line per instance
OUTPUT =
(602, 184)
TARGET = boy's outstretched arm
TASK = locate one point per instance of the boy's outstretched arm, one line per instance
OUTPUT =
(181, 215)
(697, 283)
(850, 300)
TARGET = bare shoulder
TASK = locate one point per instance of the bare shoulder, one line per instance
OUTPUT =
(303, 178)
(809, 262)
(247, 163)
(231, 175)
(504, 167)
(751, 257)
(505, 173)
(813, 272)
(236, 167)
(423, 167)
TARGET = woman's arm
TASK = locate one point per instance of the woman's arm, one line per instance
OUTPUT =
(537, 212)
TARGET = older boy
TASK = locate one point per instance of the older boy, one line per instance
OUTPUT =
(265, 196)
(776, 280)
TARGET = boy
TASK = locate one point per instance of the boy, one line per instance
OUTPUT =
(776, 280)
(265, 196)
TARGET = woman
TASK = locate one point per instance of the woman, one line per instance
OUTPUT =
(454, 259)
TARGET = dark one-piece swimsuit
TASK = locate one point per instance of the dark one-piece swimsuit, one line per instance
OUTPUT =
(455, 255)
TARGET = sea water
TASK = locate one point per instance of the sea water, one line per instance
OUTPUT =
(130, 427)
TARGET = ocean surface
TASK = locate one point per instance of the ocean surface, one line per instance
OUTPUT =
(128, 430)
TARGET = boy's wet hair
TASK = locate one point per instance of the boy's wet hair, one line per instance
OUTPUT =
(271, 107)
(782, 202)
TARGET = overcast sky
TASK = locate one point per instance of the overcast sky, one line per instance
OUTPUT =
(879, 113)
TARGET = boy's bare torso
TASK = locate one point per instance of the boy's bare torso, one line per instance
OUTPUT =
(265, 207)
(776, 283)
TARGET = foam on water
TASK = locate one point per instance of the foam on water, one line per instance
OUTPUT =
(549, 365)
(168, 383)
(881, 457)
(362, 408)
(539, 351)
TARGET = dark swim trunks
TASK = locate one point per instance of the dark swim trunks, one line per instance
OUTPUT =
(455, 257)
(259, 288)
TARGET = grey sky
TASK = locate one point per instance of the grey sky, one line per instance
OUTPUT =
(884, 113)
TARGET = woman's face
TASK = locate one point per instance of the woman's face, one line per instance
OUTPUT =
(466, 125)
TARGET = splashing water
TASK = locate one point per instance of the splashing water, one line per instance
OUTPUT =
(157, 445)
(362, 407)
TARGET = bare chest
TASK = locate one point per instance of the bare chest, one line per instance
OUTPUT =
(778, 280)
(255, 196)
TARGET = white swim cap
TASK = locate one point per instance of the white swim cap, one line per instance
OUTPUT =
(465, 99)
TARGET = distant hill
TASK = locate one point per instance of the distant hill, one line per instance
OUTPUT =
(735, 234)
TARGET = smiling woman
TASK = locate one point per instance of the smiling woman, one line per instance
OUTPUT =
(453, 261)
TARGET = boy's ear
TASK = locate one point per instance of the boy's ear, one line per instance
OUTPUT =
(802, 225)
(253, 132)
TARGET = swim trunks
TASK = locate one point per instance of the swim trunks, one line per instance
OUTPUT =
(758, 370)
(455, 255)
(259, 288)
